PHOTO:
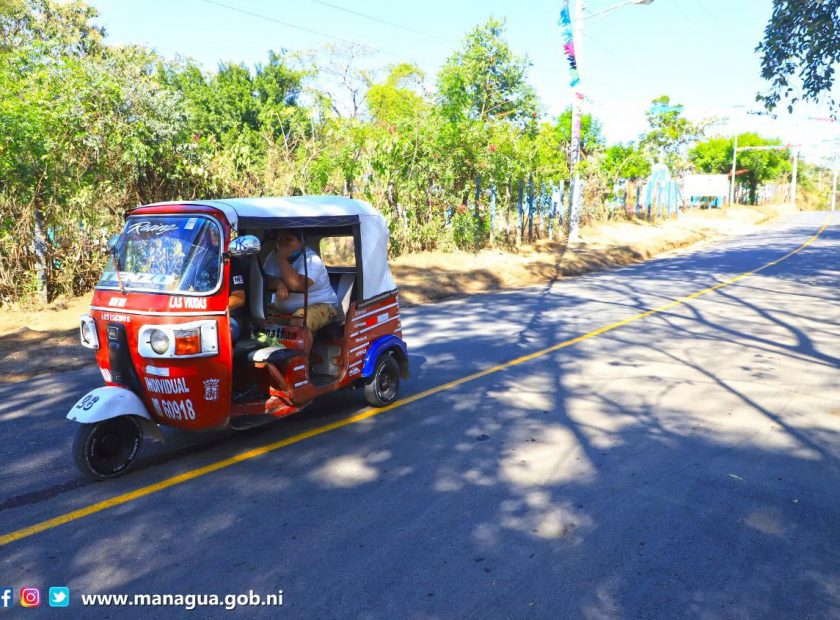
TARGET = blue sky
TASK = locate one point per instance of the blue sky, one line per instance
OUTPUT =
(700, 52)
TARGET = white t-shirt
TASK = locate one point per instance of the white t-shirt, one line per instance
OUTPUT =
(320, 293)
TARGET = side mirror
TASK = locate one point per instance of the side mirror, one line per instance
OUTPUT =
(244, 246)
(112, 242)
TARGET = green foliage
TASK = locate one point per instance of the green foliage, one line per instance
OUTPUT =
(43, 27)
(482, 93)
(91, 129)
(468, 233)
(669, 134)
(485, 80)
(625, 161)
(396, 99)
(800, 49)
(758, 166)
(591, 138)
(712, 156)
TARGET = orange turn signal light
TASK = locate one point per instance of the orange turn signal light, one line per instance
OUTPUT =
(187, 341)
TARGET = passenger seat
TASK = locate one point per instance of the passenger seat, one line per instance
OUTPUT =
(344, 292)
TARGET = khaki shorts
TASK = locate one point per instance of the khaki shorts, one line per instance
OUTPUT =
(317, 315)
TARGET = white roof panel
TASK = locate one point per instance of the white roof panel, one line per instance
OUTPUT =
(373, 229)
(288, 206)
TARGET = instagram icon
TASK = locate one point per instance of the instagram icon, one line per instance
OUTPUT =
(30, 597)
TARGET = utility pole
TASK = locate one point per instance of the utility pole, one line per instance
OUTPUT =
(572, 227)
(732, 180)
(793, 179)
(834, 185)
(571, 224)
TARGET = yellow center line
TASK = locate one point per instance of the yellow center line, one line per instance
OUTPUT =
(118, 500)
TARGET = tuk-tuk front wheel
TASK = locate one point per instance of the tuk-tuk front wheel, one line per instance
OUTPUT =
(382, 387)
(107, 449)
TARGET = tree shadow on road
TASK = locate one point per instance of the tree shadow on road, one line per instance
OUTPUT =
(663, 469)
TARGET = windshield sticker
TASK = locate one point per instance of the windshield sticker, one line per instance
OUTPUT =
(148, 228)
(131, 277)
(190, 223)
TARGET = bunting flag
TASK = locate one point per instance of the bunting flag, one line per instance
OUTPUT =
(565, 23)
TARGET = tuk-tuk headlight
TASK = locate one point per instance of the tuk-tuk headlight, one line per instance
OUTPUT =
(193, 339)
(159, 341)
(87, 332)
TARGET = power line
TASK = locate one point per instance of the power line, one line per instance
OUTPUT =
(381, 21)
(707, 11)
(303, 28)
(600, 45)
(676, 5)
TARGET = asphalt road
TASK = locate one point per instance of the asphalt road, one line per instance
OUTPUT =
(684, 464)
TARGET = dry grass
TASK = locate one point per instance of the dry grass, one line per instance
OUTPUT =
(431, 276)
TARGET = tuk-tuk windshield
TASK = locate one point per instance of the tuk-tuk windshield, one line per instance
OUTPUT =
(166, 254)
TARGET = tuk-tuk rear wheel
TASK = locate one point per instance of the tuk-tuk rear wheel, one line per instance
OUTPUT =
(382, 387)
(107, 449)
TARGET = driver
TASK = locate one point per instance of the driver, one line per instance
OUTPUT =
(285, 268)
(237, 302)
(207, 277)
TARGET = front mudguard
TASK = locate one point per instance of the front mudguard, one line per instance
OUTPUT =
(109, 402)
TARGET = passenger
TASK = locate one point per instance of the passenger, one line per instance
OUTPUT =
(284, 266)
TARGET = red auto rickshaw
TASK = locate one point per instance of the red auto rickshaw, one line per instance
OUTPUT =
(159, 323)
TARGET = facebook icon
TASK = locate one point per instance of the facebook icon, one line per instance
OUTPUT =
(7, 597)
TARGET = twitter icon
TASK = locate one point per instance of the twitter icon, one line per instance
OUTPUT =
(59, 597)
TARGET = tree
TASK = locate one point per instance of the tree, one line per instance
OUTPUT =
(801, 45)
(55, 28)
(591, 137)
(403, 158)
(625, 161)
(479, 86)
(403, 136)
(669, 134)
(240, 113)
(486, 80)
(397, 97)
(553, 139)
(758, 166)
(91, 129)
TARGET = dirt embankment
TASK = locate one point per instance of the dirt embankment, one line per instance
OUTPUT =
(433, 276)
(36, 341)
